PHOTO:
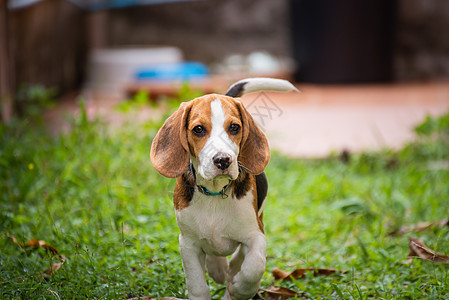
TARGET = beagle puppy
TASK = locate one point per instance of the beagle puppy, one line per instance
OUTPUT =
(218, 154)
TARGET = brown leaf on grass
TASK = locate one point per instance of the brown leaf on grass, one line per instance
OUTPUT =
(40, 243)
(14, 240)
(35, 243)
(421, 226)
(55, 266)
(279, 274)
(420, 250)
(275, 293)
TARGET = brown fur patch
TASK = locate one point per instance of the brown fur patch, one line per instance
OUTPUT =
(185, 187)
(200, 115)
(240, 188)
(254, 149)
(169, 151)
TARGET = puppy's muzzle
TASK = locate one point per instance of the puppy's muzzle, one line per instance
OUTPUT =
(222, 160)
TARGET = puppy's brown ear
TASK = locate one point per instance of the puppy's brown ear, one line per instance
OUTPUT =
(254, 150)
(169, 151)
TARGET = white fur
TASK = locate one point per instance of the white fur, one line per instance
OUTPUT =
(259, 84)
(217, 227)
(218, 141)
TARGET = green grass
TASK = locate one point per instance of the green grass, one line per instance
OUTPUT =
(94, 196)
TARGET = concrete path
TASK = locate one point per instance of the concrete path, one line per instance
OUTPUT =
(325, 119)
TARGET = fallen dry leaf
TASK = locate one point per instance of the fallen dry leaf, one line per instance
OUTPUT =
(14, 240)
(279, 274)
(55, 266)
(35, 243)
(420, 250)
(275, 293)
(40, 243)
(421, 226)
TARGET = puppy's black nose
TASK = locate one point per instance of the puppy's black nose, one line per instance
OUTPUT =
(222, 160)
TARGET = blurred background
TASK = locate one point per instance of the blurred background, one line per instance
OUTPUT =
(368, 71)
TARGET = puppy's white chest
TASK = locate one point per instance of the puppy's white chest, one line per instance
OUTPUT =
(218, 225)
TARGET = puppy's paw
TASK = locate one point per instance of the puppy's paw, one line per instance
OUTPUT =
(238, 290)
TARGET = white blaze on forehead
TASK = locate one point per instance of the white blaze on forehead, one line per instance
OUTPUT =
(219, 137)
(217, 117)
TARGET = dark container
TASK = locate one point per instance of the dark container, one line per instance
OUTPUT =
(343, 41)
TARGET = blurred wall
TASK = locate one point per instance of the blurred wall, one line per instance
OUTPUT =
(49, 41)
(208, 30)
(205, 30)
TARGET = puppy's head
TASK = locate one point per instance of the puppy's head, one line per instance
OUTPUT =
(216, 133)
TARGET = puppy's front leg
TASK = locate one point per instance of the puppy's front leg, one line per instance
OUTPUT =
(193, 262)
(245, 283)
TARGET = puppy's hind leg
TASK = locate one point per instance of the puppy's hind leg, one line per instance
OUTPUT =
(217, 268)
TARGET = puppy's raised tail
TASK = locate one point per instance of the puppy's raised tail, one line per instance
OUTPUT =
(250, 85)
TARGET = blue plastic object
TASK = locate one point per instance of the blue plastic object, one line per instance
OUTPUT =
(96, 5)
(180, 71)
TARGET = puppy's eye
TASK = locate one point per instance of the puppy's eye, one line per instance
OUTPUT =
(234, 129)
(199, 130)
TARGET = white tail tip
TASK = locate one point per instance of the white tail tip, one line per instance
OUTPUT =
(250, 85)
